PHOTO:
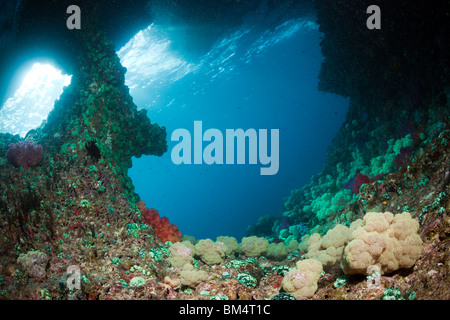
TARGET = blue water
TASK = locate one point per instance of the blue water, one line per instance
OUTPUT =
(251, 79)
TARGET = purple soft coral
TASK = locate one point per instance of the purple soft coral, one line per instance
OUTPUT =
(24, 153)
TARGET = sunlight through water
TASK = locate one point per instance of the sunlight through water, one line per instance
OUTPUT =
(33, 100)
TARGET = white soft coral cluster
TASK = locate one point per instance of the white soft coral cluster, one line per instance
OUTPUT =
(383, 240)
(181, 253)
(211, 252)
(327, 249)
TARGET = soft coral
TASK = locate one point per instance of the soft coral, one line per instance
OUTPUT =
(164, 230)
(360, 179)
(24, 154)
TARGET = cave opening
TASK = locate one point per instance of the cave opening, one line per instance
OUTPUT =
(39, 84)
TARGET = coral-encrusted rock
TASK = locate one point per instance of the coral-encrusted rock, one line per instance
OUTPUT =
(96, 109)
(24, 154)
(33, 263)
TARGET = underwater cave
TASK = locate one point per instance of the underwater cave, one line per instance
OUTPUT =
(92, 118)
